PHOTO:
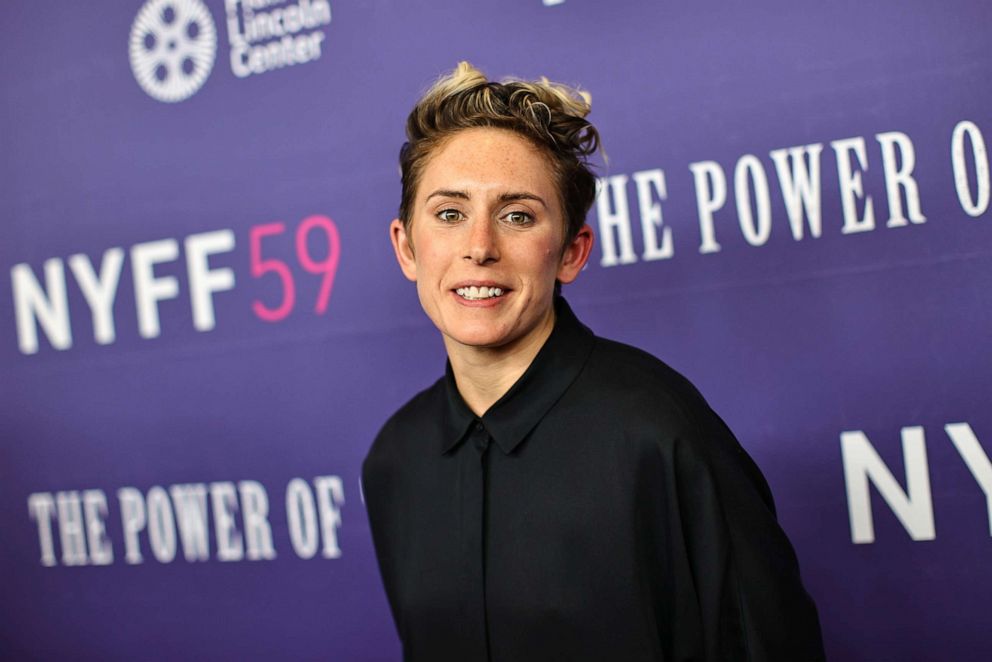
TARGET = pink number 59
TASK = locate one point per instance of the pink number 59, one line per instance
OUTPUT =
(326, 267)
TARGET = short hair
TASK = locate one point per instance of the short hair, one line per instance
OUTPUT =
(550, 115)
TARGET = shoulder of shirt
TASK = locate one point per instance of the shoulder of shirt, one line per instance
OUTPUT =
(420, 413)
(657, 403)
(633, 372)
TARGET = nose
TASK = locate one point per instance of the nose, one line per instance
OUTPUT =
(483, 244)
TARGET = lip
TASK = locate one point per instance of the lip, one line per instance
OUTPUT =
(489, 302)
(479, 283)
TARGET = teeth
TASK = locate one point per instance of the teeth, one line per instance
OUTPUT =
(476, 293)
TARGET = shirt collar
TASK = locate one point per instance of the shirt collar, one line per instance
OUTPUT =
(549, 375)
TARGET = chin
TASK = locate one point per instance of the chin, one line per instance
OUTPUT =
(484, 337)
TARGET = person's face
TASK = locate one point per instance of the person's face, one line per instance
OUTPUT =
(484, 243)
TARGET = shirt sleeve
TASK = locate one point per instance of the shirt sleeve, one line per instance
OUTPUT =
(739, 592)
(378, 485)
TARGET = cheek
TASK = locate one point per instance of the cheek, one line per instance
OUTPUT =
(431, 266)
(551, 256)
(427, 293)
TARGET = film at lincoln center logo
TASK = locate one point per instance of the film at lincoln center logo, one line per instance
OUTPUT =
(172, 49)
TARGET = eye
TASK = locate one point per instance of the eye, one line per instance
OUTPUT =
(449, 215)
(518, 218)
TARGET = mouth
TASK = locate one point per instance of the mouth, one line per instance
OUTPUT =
(474, 293)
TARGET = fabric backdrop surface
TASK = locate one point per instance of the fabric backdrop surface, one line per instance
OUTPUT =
(202, 325)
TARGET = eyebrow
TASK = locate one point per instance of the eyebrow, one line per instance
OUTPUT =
(447, 193)
(503, 197)
(523, 195)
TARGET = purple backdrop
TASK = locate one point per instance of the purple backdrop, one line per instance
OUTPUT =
(203, 325)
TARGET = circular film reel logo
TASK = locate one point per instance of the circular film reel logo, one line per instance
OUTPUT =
(173, 45)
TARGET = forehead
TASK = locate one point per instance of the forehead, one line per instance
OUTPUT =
(483, 160)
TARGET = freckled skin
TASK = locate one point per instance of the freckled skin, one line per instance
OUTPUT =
(486, 212)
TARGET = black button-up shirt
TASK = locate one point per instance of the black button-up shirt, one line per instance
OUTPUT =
(599, 510)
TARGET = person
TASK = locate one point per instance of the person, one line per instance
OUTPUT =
(556, 495)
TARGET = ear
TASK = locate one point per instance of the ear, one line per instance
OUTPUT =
(576, 255)
(403, 248)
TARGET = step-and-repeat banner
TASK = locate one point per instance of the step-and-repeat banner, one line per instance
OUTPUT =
(202, 325)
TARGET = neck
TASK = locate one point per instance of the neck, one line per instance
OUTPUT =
(485, 374)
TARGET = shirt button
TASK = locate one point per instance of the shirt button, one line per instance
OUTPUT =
(480, 437)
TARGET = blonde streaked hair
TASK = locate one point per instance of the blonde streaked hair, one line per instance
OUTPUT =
(550, 115)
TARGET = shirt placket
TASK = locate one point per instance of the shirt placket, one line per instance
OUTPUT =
(474, 528)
